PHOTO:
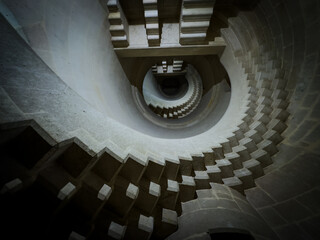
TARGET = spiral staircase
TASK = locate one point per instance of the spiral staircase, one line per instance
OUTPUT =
(71, 171)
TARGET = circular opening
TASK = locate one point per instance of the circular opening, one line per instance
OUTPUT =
(174, 86)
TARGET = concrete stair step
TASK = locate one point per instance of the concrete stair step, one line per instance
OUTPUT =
(193, 38)
(117, 30)
(226, 168)
(234, 158)
(234, 182)
(280, 94)
(150, 4)
(279, 103)
(152, 28)
(255, 168)
(119, 41)
(151, 16)
(202, 180)
(187, 188)
(198, 3)
(277, 125)
(262, 117)
(115, 18)
(245, 177)
(249, 144)
(273, 136)
(268, 146)
(242, 151)
(113, 5)
(254, 135)
(196, 14)
(214, 173)
(280, 114)
(262, 156)
(194, 27)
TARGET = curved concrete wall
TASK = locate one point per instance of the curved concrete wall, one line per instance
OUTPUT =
(286, 196)
(72, 38)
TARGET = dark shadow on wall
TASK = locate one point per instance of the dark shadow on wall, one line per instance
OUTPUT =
(230, 233)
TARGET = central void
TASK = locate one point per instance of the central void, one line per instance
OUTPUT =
(165, 95)
(173, 87)
(173, 94)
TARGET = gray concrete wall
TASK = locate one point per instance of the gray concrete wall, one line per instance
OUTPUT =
(72, 38)
(287, 197)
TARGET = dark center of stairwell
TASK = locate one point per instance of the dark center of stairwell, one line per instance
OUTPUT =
(173, 87)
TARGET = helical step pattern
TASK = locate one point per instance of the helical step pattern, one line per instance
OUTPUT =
(183, 106)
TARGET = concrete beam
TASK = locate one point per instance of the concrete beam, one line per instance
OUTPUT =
(215, 48)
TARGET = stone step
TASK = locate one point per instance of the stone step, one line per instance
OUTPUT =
(193, 38)
(116, 230)
(151, 16)
(262, 100)
(117, 30)
(225, 143)
(242, 151)
(262, 117)
(254, 135)
(198, 3)
(264, 83)
(262, 156)
(255, 168)
(198, 163)
(249, 144)
(113, 5)
(245, 177)
(217, 151)
(268, 146)
(152, 28)
(279, 103)
(107, 166)
(187, 188)
(234, 182)
(119, 41)
(169, 194)
(150, 4)
(153, 40)
(214, 173)
(196, 14)
(259, 127)
(264, 109)
(115, 18)
(226, 167)
(234, 158)
(149, 194)
(277, 125)
(273, 136)
(194, 27)
(233, 140)
(280, 94)
(280, 114)
(265, 92)
(123, 197)
(166, 223)
(202, 180)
